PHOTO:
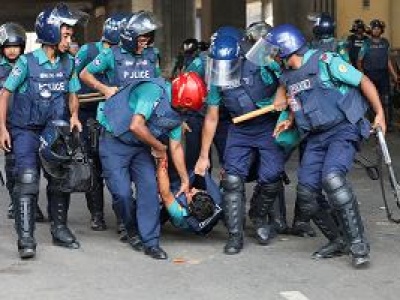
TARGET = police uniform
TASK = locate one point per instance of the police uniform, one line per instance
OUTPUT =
(88, 111)
(126, 159)
(329, 111)
(256, 89)
(40, 90)
(375, 55)
(354, 44)
(332, 45)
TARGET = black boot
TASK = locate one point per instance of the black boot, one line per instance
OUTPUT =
(344, 201)
(95, 204)
(301, 224)
(277, 214)
(62, 235)
(260, 206)
(95, 198)
(25, 226)
(233, 203)
(336, 245)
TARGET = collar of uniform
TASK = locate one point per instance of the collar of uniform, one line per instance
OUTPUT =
(327, 40)
(307, 55)
(124, 51)
(42, 57)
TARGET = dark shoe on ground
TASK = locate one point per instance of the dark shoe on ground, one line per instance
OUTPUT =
(62, 236)
(97, 223)
(234, 244)
(265, 234)
(155, 252)
(332, 249)
(303, 229)
(27, 248)
(135, 242)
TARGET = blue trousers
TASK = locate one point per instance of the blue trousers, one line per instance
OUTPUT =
(246, 139)
(328, 152)
(122, 165)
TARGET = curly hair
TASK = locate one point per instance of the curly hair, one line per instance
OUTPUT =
(202, 206)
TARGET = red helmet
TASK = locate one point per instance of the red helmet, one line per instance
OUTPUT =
(188, 91)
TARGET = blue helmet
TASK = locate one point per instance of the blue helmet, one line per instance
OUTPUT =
(140, 23)
(229, 31)
(324, 26)
(48, 23)
(224, 63)
(113, 26)
(287, 39)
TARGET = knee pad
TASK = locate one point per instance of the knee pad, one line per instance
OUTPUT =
(307, 200)
(232, 183)
(28, 182)
(338, 190)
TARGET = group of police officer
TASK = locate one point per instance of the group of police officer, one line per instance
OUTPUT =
(316, 99)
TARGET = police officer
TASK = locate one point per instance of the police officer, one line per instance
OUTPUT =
(87, 113)
(12, 45)
(134, 120)
(133, 61)
(277, 214)
(356, 40)
(242, 87)
(328, 109)
(40, 81)
(324, 39)
(188, 52)
(374, 60)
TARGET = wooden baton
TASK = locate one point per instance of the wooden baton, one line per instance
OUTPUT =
(253, 114)
(91, 97)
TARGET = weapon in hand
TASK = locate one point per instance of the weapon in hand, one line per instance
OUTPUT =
(253, 114)
(91, 97)
(392, 177)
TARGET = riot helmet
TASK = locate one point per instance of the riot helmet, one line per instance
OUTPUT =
(257, 30)
(282, 41)
(224, 61)
(188, 91)
(142, 23)
(12, 34)
(376, 23)
(56, 148)
(357, 25)
(113, 26)
(324, 26)
(49, 22)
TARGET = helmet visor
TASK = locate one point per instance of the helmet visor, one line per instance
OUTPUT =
(223, 72)
(262, 53)
(62, 14)
(12, 34)
(142, 23)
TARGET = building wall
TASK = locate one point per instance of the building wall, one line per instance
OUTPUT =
(347, 11)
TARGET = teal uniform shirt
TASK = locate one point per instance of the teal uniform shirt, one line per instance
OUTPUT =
(17, 78)
(5, 63)
(340, 72)
(178, 215)
(81, 58)
(105, 62)
(142, 100)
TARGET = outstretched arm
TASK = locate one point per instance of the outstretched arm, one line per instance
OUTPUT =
(163, 182)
